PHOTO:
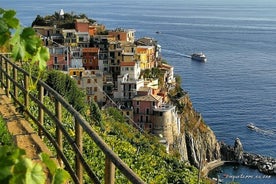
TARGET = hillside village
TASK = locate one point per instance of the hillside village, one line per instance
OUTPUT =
(115, 69)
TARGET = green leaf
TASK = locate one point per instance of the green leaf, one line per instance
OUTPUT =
(50, 164)
(44, 56)
(2, 11)
(27, 172)
(11, 21)
(61, 176)
(36, 175)
(29, 40)
(8, 14)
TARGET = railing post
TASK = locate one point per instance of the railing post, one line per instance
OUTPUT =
(109, 172)
(1, 73)
(8, 83)
(58, 131)
(78, 139)
(15, 88)
(40, 110)
(26, 95)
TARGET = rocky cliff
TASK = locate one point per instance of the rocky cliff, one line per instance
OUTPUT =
(196, 143)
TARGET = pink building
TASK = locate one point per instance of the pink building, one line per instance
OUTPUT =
(143, 110)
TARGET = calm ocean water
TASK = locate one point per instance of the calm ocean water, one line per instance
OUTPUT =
(237, 84)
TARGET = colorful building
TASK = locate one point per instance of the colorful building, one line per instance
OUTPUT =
(90, 58)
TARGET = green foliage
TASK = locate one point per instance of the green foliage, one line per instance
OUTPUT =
(66, 21)
(5, 137)
(116, 114)
(58, 175)
(16, 168)
(24, 44)
(95, 112)
(67, 88)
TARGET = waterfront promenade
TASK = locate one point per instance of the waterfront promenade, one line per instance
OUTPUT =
(214, 164)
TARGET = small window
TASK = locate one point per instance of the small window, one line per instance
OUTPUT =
(88, 81)
(137, 102)
(55, 60)
(95, 89)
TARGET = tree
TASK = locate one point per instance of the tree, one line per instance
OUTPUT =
(95, 112)
(67, 87)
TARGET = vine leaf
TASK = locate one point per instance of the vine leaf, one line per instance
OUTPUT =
(9, 18)
(27, 172)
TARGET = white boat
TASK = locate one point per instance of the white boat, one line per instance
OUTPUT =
(199, 57)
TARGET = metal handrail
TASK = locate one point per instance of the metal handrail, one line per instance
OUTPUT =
(8, 80)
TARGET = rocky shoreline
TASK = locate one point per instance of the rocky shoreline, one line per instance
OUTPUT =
(265, 164)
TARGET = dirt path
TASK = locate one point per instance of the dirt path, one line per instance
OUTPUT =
(23, 134)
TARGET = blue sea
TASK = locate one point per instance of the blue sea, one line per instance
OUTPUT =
(236, 86)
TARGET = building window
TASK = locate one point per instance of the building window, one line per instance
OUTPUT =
(147, 112)
(95, 89)
(79, 82)
(141, 118)
(95, 80)
(88, 81)
(147, 119)
(55, 60)
(137, 102)
(137, 110)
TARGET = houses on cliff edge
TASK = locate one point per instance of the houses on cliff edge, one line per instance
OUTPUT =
(110, 65)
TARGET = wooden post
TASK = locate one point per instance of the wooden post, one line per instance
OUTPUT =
(109, 172)
(26, 86)
(1, 73)
(15, 88)
(78, 139)
(40, 110)
(8, 83)
(58, 131)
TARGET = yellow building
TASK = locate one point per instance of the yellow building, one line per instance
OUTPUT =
(146, 56)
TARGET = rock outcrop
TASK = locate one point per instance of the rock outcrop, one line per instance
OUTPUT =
(196, 143)
(264, 164)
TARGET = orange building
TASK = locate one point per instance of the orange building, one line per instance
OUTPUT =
(123, 35)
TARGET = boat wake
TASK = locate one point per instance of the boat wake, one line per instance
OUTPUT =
(253, 127)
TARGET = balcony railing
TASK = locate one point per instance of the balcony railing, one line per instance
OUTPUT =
(9, 76)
